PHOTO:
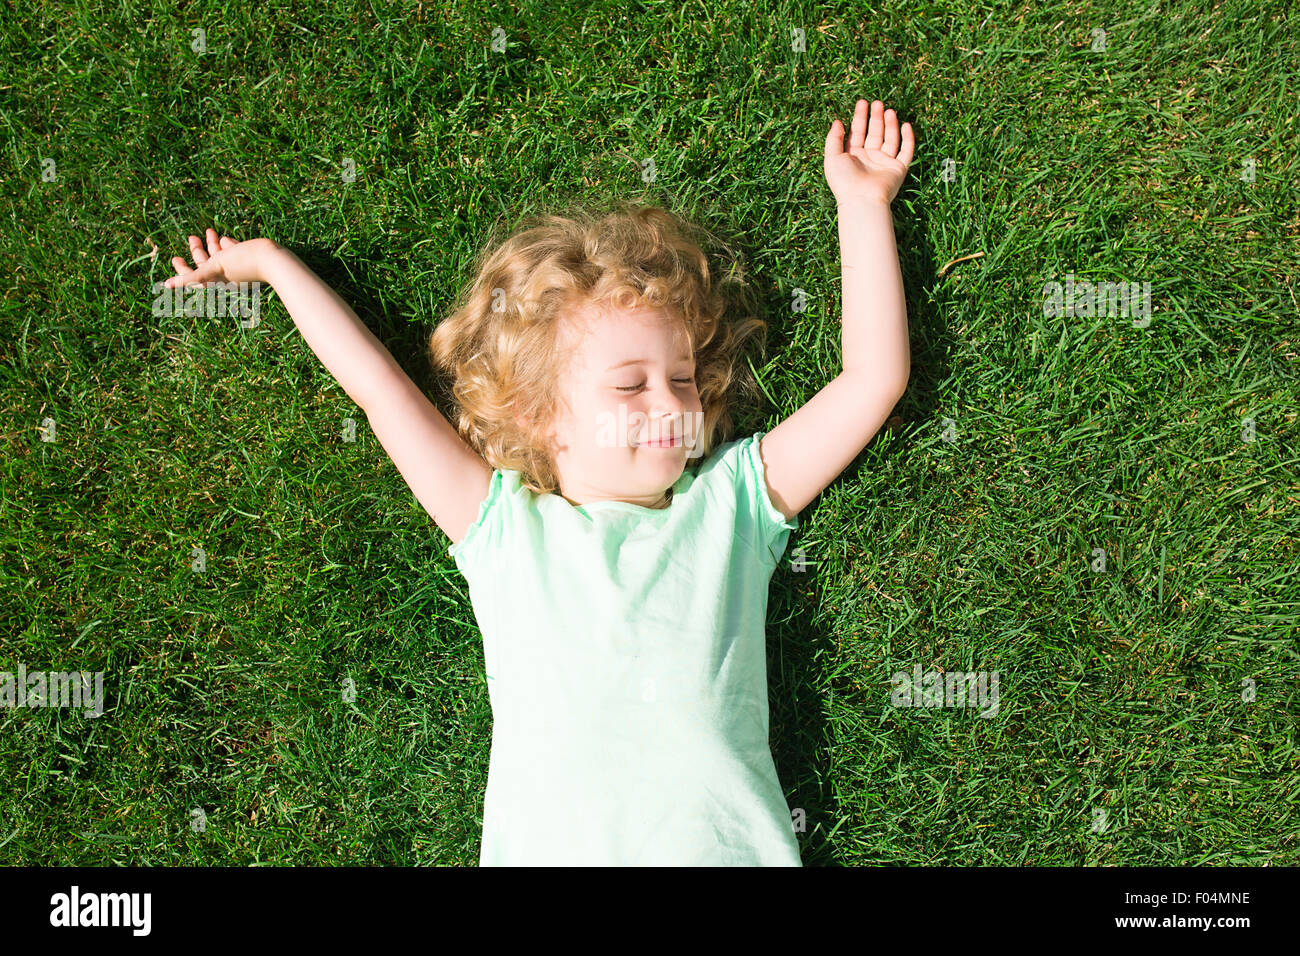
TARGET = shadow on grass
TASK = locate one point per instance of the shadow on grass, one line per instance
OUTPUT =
(799, 733)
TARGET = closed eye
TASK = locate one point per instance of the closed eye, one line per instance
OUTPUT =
(633, 388)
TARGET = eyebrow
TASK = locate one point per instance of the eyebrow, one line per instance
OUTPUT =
(681, 358)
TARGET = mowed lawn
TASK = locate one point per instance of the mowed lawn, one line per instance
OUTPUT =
(1101, 509)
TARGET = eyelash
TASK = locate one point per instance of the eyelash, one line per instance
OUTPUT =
(633, 388)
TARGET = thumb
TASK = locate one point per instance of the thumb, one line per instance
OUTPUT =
(209, 270)
(835, 139)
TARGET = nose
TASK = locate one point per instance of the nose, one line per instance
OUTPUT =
(665, 406)
(669, 420)
(666, 411)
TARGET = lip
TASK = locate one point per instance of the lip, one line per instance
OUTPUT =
(661, 443)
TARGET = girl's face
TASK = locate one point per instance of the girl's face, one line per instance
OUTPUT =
(631, 382)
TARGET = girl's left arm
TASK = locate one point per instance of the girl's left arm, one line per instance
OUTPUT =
(807, 451)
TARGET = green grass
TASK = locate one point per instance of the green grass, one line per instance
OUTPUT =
(1119, 691)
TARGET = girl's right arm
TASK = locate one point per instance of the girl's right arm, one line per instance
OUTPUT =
(448, 477)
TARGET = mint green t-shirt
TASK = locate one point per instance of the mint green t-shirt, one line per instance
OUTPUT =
(625, 657)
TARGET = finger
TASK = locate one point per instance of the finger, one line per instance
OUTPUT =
(197, 276)
(876, 128)
(835, 139)
(227, 242)
(859, 127)
(906, 151)
(196, 250)
(890, 145)
(180, 266)
(214, 243)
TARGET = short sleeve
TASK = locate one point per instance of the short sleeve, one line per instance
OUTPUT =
(467, 546)
(771, 527)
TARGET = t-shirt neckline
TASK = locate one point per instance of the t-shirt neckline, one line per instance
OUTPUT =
(677, 488)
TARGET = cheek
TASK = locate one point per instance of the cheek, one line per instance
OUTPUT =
(591, 420)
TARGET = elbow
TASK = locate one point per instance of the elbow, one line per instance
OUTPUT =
(878, 382)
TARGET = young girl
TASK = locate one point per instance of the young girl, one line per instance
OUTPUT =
(621, 596)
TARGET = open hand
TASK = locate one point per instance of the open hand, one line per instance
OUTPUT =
(876, 162)
(225, 260)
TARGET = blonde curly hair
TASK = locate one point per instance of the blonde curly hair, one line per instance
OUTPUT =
(499, 343)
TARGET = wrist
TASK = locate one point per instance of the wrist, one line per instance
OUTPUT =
(272, 261)
(863, 201)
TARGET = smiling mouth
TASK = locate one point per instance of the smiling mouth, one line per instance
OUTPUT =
(660, 443)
